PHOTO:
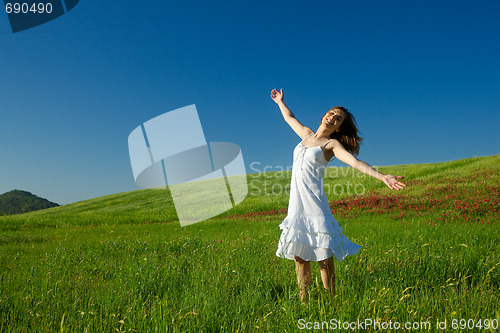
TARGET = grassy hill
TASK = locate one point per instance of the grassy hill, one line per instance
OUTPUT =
(268, 191)
(122, 262)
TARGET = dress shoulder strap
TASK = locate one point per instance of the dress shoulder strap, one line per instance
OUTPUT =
(323, 146)
(307, 136)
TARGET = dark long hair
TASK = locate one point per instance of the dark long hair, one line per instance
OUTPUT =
(348, 133)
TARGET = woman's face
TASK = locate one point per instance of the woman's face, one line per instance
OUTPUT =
(333, 119)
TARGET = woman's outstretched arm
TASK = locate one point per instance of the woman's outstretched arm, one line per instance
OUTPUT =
(343, 155)
(301, 130)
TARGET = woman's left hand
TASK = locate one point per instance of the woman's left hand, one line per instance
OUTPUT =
(393, 183)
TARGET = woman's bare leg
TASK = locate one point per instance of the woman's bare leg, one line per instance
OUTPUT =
(327, 267)
(303, 269)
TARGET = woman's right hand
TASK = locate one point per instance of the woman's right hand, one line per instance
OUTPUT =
(393, 183)
(277, 96)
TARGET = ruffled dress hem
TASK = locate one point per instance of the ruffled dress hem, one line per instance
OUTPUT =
(315, 246)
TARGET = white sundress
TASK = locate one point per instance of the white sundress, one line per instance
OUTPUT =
(310, 231)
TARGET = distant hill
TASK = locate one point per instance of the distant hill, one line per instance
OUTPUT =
(17, 202)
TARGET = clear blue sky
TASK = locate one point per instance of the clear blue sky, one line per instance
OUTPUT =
(421, 77)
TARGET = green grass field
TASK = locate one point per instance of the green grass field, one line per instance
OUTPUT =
(122, 263)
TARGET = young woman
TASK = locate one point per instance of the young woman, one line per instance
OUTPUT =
(310, 232)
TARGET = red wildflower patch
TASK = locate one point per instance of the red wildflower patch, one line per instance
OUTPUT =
(452, 202)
